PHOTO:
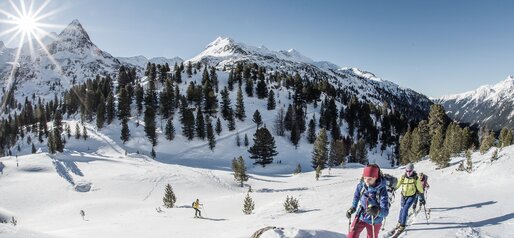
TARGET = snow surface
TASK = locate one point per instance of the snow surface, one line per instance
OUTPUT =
(125, 190)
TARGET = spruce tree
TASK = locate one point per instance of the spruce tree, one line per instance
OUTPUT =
(248, 205)
(240, 106)
(336, 154)
(139, 94)
(239, 169)
(246, 143)
(271, 101)
(170, 129)
(469, 162)
(436, 119)
(264, 148)
(225, 104)
(150, 112)
(125, 132)
(84, 132)
(123, 104)
(262, 90)
(257, 118)
(487, 141)
(279, 126)
(505, 138)
(231, 122)
(200, 125)
(318, 172)
(210, 100)
(51, 143)
(111, 109)
(289, 118)
(320, 150)
(249, 87)
(188, 124)
(218, 126)
(169, 198)
(77, 131)
(436, 144)
(295, 136)
(291, 204)
(58, 145)
(33, 149)
(210, 135)
(361, 151)
(238, 140)
(298, 169)
(100, 114)
(311, 132)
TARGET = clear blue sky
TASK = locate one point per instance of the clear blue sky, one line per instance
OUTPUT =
(434, 47)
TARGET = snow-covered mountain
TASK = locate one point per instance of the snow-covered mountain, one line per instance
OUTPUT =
(489, 105)
(6, 57)
(72, 58)
(225, 53)
(142, 61)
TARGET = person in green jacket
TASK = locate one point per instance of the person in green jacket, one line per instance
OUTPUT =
(410, 186)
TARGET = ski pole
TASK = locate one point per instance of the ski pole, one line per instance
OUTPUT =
(349, 223)
(384, 224)
(204, 211)
(425, 209)
(373, 225)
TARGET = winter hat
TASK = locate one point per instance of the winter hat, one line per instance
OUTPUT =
(409, 167)
(370, 171)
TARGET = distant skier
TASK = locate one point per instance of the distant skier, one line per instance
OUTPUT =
(82, 214)
(411, 186)
(373, 203)
(196, 206)
(423, 178)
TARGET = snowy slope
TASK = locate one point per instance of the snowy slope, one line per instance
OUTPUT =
(6, 56)
(120, 194)
(489, 105)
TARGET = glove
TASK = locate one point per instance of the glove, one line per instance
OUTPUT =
(373, 210)
(350, 212)
(422, 202)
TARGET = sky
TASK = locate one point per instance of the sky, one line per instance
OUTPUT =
(434, 47)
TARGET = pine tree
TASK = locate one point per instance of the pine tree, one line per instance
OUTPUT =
(84, 132)
(218, 126)
(291, 204)
(289, 118)
(271, 100)
(33, 149)
(225, 104)
(200, 125)
(51, 144)
(248, 205)
(262, 90)
(210, 135)
(210, 100)
(170, 129)
(239, 169)
(436, 119)
(279, 126)
(238, 140)
(240, 106)
(231, 123)
(100, 114)
(264, 148)
(150, 112)
(111, 109)
(123, 104)
(336, 154)
(487, 142)
(188, 124)
(311, 132)
(295, 136)
(298, 169)
(257, 118)
(77, 131)
(320, 150)
(139, 94)
(469, 162)
(505, 138)
(246, 143)
(125, 132)
(436, 145)
(189, 69)
(58, 145)
(249, 87)
(361, 151)
(169, 198)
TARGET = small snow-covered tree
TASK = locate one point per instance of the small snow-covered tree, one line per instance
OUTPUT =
(248, 205)
(169, 198)
(291, 204)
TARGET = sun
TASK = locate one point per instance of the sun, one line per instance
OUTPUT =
(27, 24)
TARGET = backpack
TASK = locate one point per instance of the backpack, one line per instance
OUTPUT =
(193, 204)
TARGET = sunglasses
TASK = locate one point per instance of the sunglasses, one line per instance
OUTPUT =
(408, 171)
